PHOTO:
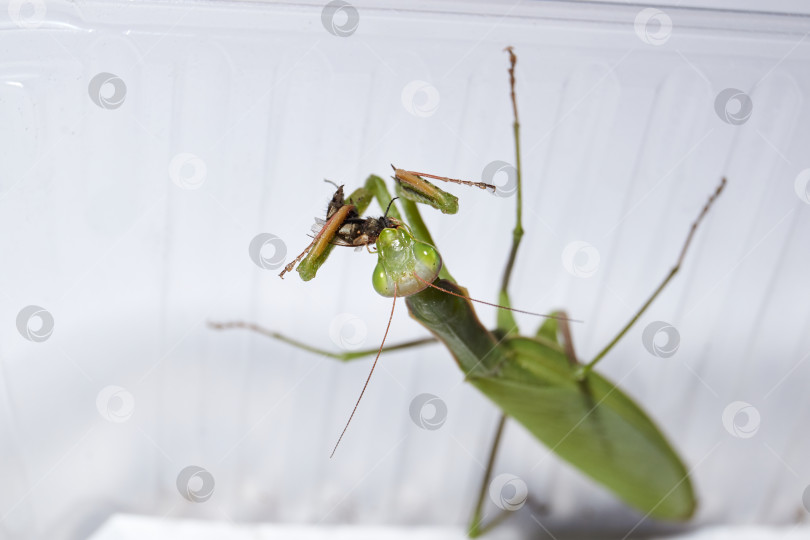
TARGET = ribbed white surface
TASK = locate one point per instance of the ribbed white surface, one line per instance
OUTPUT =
(126, 526)
(621, 145)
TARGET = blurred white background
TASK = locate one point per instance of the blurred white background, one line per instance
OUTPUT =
(145, 145)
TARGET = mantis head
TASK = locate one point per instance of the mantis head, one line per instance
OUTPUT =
(405, 262)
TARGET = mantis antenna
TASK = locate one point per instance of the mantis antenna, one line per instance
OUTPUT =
(559, 318)
(390, 318)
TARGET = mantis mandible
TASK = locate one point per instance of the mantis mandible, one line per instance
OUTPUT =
(536, 380)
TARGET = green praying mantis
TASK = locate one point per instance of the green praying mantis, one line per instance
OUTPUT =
(536, 380)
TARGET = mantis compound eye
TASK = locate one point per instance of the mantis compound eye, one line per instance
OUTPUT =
(404, 261)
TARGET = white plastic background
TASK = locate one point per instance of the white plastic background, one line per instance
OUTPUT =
(621, 147)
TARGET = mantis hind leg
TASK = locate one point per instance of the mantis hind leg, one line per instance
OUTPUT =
(476, 527)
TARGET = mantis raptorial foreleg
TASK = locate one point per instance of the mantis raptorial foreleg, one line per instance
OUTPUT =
(373, 189)
(480, 185)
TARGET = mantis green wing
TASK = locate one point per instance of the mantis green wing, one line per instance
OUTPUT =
(590, 423)
(593, 425)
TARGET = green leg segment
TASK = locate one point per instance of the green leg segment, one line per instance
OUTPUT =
(343, 357)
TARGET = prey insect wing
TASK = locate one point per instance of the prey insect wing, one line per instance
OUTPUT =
(335, 241)
(317, 227)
